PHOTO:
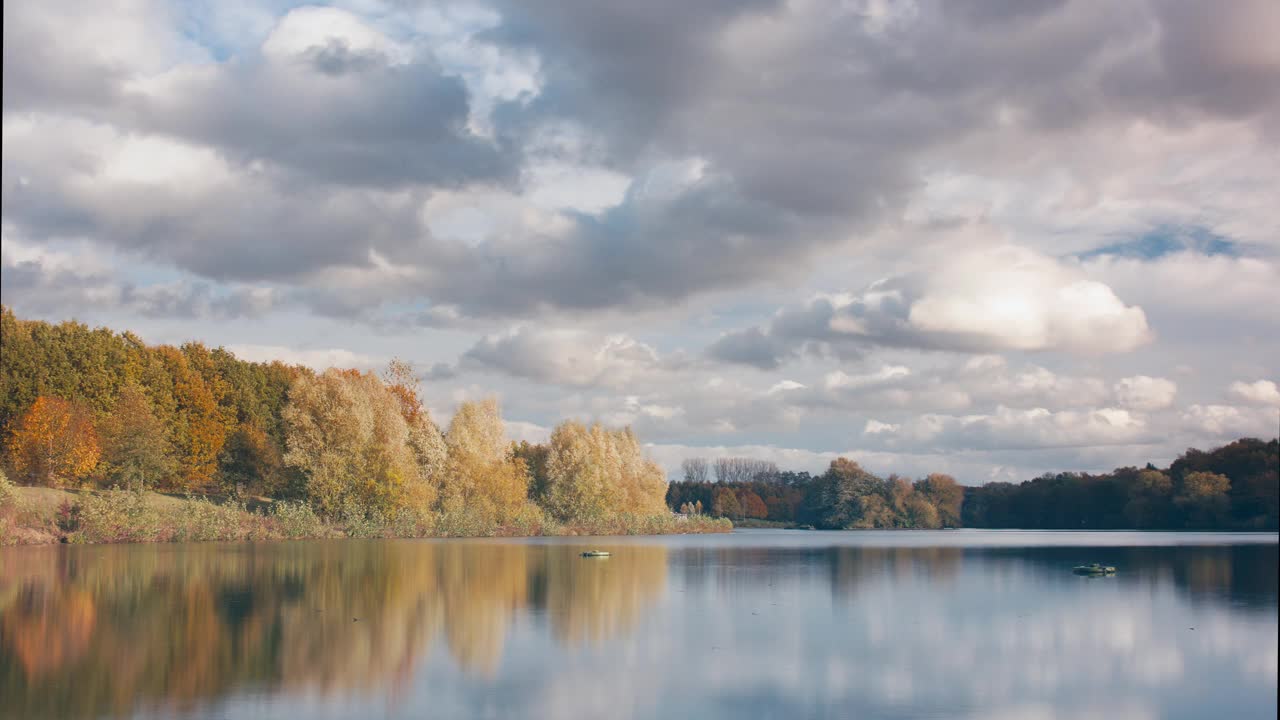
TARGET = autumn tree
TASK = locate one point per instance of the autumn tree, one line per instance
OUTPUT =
(846, 496)
(346, 435)
(752, 505)
(136, 451)
(54, 442)
(534, 456)
(1202, 497)
(1149, 499)
(726, 504)
(921, 513)
(578, 486)
(484, 481)
(252, 462)
(642, 482)
(595, 472)
(946, 496)
(425, 437)
(200, 426)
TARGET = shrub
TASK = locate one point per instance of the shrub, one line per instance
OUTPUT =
(7, 494)
(8, 511)
(296, 520)
(463, 523)
(361, 522)
(118, 516)
(202, 520)
(531, 520)
(67, 517)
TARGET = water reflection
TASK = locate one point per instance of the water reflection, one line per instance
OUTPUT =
(824, 626)
(88, 631)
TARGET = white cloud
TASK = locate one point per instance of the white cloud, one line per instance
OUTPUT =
(839, 380)
(1221, 422)
(984, 299)
(566, 356)
(1011, 429)
(317, 359)
(1258, 392)
(874, 427)
(310, 29)
(1012, 298)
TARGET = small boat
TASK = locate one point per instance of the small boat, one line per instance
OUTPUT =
(596, 553)
(1093, 569)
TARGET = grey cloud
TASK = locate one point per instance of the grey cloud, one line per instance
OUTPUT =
(34, 288)
(753, 347)
(569, 357)
(810, 123)
(248, 230)
(440, 371)
(335, 116)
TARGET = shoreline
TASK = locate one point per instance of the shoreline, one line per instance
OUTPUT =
(40, 516)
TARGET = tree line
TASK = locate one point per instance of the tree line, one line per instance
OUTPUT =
(90, 407)
(1234, 487)
(845, 496)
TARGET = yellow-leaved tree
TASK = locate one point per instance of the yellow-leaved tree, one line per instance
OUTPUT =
(425, 438)
(347, 435)
(593, 473)
(484, 481)
(54, 443)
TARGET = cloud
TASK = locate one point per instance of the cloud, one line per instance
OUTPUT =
(983, 300)
(1011, 429)
(1258, 392)
(51, 282)
(567, 357)
(1223, 422)
(1144, 393)
(324, 141)
(316, 359)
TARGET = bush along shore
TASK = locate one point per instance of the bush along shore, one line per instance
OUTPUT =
(37, 516)
(108, 439)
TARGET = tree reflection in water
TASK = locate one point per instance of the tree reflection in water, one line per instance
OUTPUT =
(104, 630)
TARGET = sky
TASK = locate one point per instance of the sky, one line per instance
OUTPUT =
(993, 239)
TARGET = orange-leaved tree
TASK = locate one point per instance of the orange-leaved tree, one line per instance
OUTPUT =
(54, 442)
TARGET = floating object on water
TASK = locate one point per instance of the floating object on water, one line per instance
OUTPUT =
(595, 553)
(1093, 569)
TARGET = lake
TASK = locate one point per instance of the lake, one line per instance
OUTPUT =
(755, 624)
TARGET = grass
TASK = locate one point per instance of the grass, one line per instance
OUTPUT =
(770, 524)
(37, 515)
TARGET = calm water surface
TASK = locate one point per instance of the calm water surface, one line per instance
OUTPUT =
(769, 624)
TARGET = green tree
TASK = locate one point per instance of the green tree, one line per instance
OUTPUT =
(136, 449)
(726, 504)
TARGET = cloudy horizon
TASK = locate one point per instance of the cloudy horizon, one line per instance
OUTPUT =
(989, 239)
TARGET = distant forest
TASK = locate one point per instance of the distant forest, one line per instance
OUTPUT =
(1233, 487)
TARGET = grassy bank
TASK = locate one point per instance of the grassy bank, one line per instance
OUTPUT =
(38, 516)
(764, 524)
